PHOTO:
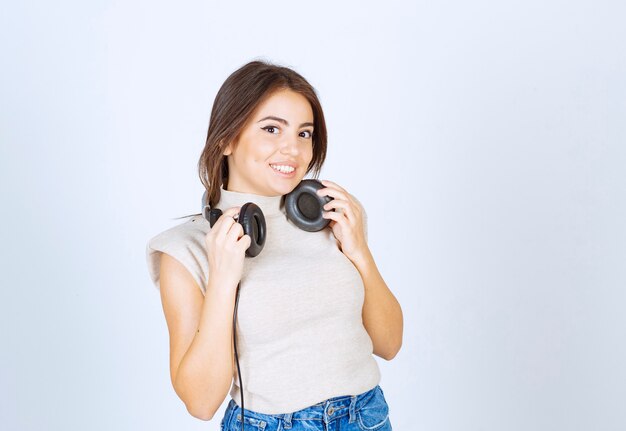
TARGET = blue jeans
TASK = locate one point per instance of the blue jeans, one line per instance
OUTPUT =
(364, 412)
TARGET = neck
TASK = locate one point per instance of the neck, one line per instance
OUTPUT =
(270, 205)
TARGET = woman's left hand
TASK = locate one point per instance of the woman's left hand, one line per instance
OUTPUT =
(347, 225)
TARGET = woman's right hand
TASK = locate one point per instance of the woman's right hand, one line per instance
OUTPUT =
(226, 247)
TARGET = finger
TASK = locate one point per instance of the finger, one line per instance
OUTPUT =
(336, 204)
(226, 221)
(333, 185)
(340, 206)
(235, 232)
(337, 216)
(245, 242)
(232, 211)
(332, 192)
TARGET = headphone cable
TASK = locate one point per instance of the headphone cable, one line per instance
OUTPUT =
(243, 415)
(211, 216)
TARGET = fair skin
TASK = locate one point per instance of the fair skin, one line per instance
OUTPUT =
(200, 326)
(264, 141)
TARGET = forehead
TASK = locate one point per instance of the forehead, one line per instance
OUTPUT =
(286, 104)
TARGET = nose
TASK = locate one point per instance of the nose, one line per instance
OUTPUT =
(290, 146)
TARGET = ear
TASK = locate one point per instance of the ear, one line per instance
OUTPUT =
(228, 150)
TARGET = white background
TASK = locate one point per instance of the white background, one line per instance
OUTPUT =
(486, 141)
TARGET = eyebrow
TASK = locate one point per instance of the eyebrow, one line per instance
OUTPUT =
(282, 120)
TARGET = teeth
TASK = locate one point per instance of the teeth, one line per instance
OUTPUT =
(285, 169)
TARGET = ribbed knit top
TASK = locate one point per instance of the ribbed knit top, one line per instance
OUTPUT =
(300, 334)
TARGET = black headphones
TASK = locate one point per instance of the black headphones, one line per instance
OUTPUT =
(304, 207)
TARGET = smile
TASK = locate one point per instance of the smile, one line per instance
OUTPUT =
(284, 171)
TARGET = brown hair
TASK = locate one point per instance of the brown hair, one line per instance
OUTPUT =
(236, 100)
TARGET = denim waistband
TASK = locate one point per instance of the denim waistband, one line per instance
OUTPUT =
(326, 410)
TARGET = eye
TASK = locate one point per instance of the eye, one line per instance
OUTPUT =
(269, 127)
(309, 132)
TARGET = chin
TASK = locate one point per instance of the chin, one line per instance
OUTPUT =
(284, 187)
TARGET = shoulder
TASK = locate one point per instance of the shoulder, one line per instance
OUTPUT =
(184, 234)
(186, 243)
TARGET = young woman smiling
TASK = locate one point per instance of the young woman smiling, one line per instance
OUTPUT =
(313, 307)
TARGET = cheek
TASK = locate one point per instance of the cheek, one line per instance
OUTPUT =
(263, 146)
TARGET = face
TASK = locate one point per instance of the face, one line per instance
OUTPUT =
(262, 159)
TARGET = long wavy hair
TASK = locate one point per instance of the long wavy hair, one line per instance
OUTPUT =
(236, 100)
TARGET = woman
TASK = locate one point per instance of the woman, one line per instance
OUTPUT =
(312, 306)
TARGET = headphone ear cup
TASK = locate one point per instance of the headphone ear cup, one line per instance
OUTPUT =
(304, 207)
(252, 220)
(213, 214)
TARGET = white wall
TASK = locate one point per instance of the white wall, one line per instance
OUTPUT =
(485, 139)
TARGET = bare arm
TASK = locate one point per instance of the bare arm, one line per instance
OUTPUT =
(201, 344)
(382, 314)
